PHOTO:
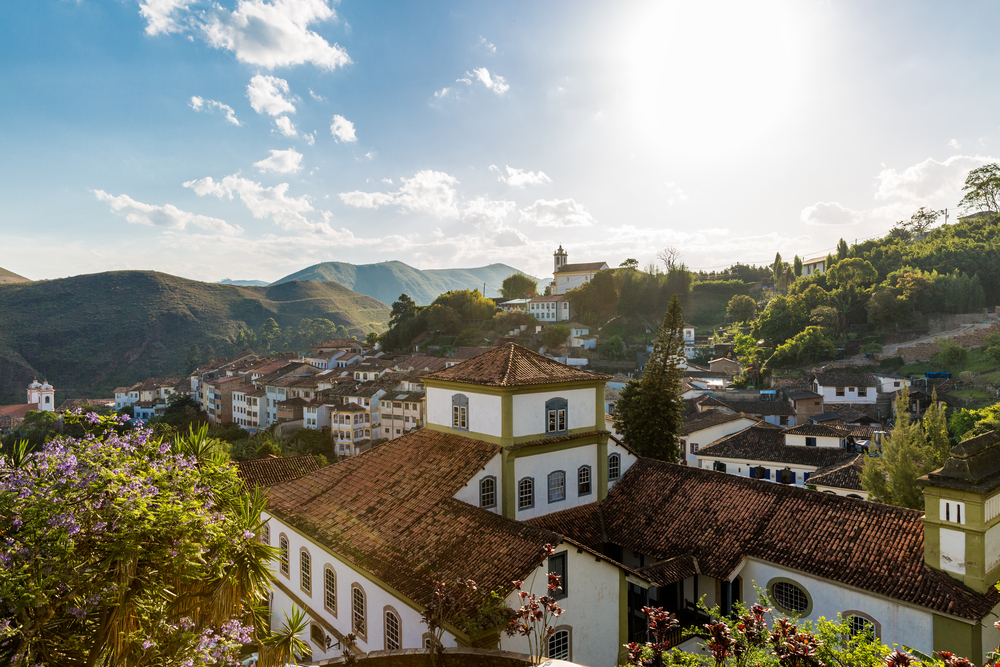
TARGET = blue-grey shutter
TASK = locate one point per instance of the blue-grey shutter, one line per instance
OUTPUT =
(805, 477)
(767, 473)
(750, 472)
(793, 478)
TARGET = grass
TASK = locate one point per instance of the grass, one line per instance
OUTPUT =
(977, 361)
(977, 394)
(89, 334)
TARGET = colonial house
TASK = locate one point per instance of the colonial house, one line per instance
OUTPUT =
(579, 336)
(779, 413)
(570, 276)
(248, 406)
(843, 387)
(815, 265)
(510, 435)
(725, 365)
(402, 411)
(703, 428)
(553, 308)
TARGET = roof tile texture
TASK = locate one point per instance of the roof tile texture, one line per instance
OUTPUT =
(512, 365)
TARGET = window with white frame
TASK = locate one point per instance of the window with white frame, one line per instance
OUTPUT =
(583, 481)
(557, 486)
(391, 630)
(305, 571)
(559, 645)
(330, 590)
(526, 493)
(266, 534)
(488, 492)
(358, 614)
(555, 416)
(859, 625)
(283, 555)
(614, 467)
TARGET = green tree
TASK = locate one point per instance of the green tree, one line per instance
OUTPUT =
(935, 425)
(630, 263)
(612, 348)
(843, 252)
(922, 220)
(402, 309)
(270, 333)
(443, 318)
(371, 339)
(131, 551)
(741, 308)
(885, 309)
(555, 336)
(808, 346)
(982, 189)
(193, 357)
(852, 272)
(649, 411)
(797, 266)
(826, 317)
(892, 477)
(518, 286)
(777, 270)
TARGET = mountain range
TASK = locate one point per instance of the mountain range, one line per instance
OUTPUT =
(88, 334)
(385, 281)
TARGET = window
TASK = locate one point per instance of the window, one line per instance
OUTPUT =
(783, 421)
(557, 486)
(555, 416)
(810, 441)
(460, 412)
(330, 590)
(790, 597)
(391, 630)
(896, 384)
(860, 626)
(488, 492)
(719, 466)
(559, 645)
(358, 617)
(305, 571)
(557, 565)
(862, 391)
(952, 511)
(694, 447)
(266, 534)
(283, 548)
(526, 493)
(614, 467)
(317, 636)
(583, 481)
(840, 391)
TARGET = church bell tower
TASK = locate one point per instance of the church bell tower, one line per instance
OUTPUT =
(559, 259)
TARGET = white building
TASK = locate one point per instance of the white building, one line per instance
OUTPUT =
(570, 276)
(704, 428)
(853, 388)
(815, 265)
(550, 308)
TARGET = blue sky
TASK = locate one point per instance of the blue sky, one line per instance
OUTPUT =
(251, 138)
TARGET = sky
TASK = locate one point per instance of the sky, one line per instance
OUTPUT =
(248, 139)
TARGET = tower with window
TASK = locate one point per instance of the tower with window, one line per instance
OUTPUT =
(43, 395)
(558, 259)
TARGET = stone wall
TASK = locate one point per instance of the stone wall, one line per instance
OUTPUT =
(967, 339)
(945, 322)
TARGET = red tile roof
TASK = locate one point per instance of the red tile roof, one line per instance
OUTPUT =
(274, 470)
(765, 443)
(510, 366)
(585, 266)
(845, 475)
(665, 510)
(709, 418)
(390, 512)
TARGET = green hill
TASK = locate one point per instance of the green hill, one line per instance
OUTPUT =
(11, 277)
(387, 280)
(89, 334)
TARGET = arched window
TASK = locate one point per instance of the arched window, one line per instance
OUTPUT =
(265, 536)
(283, 555)
(488, 492)
(330, 590)
(460, 412)
(526, 493)
(557, 486)
(790, 597)
(317, 636)
(559, 645)
(614, 467)
(305, 571)
(359, 622)
(859, 622)
(555, 416)
(583, 481)
(392, 633)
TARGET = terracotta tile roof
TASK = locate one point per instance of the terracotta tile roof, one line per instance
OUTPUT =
(421, 362)
(865, 432)
(510, 366)
(665, 510)
(818, 430)
(666, 572)
(835, 379)
(585, 266)
(763, 408)
(849, 413)
(708, 419)
(845, 475)
(801, 394)
(466, 352)
(765, 443)
(17, 411)
(556, 438)
(548, 299)
(275, 470)
(390, 512)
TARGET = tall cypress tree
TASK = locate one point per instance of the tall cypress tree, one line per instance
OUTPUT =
(892, 477)
(649, 412)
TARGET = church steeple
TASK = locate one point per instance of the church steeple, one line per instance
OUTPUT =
(962, 513)
(559, 259)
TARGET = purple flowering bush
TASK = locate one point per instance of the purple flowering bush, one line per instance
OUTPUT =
(127, 550)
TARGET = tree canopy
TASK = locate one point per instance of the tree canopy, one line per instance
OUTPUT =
(518, 286)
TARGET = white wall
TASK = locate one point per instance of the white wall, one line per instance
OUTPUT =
(484, 410)
(627, 459)
(709, 435)
(538, 466)
(411, 629)
(591, 607)
(741, 468)
(830, 394)
(842, 492)
(821, 441)
(888, 385)
(470, 492)
(567, 281)
(529, 410)
(900, 624)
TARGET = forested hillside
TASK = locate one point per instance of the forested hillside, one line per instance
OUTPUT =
(88, 334)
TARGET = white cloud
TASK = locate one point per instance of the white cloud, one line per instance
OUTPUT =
(370, 155)
(467, 82)
(163, 16)
(342, 129)
(310, 138)
(830, 214)
(519, 178)
(274, 34)
(286, 126)
(929, 183)
(200, 104)
(267, 95)
(496, 83)
(489, 47)
(444, 92)
(387, 180)
(488, 217)
(428, 191)
(954, 144)
(673, 193)
(557, 213)
(282, 162)
(287, 212)
(316, 96)
(168, 216)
